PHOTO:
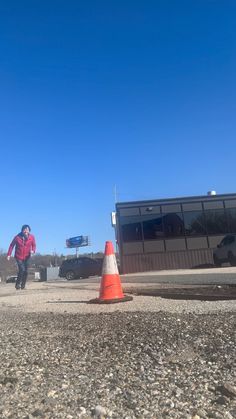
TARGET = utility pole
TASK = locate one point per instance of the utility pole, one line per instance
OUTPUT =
(55, 257)
(115, 194)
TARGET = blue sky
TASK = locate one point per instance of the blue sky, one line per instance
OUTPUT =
(94, 94)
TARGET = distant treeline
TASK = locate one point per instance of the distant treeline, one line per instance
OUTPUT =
(37, 262)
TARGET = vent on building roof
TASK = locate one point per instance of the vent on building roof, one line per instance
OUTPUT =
(211, 193)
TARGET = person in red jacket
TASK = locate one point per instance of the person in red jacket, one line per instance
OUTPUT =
(25, 245)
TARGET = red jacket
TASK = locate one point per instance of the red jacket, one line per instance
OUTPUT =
(23, 246)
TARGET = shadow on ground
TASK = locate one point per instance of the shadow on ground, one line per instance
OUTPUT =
(204, 266)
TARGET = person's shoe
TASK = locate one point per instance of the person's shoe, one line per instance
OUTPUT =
(17, 288)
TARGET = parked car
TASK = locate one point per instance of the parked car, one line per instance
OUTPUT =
(81, 267)
(226, 251)
(11, 279)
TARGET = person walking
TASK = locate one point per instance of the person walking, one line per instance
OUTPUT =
(25, 245)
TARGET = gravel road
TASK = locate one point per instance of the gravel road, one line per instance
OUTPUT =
(176, 359)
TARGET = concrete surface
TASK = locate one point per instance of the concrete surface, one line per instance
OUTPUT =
(224, 275)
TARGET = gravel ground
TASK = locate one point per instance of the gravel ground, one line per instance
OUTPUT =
(64, 297)
(174, 360)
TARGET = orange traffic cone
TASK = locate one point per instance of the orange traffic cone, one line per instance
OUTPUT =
(110, 288)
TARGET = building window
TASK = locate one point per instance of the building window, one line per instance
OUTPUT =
(194, 223)
(152, 227)
(216, 222)
(231, 215)
(173, 224)
(131, 229)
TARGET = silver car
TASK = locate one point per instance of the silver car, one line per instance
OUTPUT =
(226, 251)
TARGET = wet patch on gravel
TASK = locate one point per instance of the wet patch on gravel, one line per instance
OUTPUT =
(119, 365)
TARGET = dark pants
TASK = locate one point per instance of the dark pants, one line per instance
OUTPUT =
(22, 273)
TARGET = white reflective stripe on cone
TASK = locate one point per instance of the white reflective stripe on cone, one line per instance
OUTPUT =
(109, 265)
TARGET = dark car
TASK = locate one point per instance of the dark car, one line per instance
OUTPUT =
(11, 279)
(81, 267)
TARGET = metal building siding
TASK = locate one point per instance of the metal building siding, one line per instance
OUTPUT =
(170, 260)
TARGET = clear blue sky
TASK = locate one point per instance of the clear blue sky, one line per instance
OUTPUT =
(137, 94)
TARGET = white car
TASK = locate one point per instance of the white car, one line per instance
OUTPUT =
(226, 251)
